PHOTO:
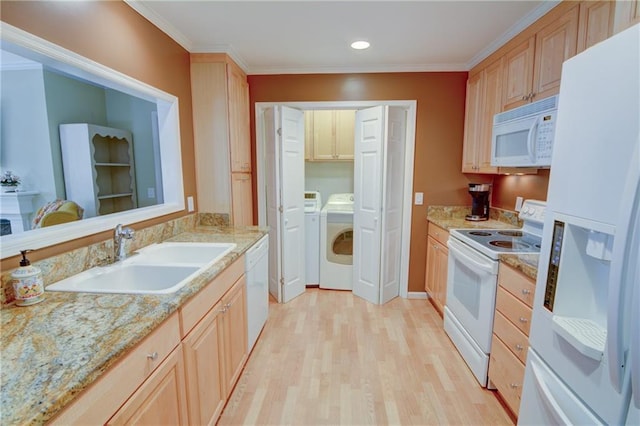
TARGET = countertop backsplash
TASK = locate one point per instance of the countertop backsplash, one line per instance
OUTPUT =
(67, 264)
(448, 212)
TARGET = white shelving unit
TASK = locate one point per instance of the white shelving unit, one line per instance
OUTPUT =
(98, 168)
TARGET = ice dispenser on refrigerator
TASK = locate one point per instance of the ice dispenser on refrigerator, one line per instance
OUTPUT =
(577, 297)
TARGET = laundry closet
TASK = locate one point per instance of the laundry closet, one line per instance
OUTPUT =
(334, 187)
(328, 182)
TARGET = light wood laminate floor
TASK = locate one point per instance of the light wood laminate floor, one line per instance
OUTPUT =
(328, 357)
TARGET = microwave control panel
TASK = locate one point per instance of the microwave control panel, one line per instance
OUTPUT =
(544, 137)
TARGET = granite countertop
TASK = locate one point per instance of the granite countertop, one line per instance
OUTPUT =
(55, 349)
(453, 217)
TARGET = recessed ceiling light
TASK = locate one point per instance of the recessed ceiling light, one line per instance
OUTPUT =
(360, 44)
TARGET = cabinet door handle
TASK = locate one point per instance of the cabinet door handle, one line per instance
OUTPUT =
(223, 310)
(524, 97)
(228, 306)
(523, 320)
(526, 291)
(519, 347)
(514, 385)
(152, 356)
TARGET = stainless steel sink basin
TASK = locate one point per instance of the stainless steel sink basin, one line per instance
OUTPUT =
(157, 269)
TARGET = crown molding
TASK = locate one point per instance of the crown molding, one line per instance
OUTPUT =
(515, 29)
(162, 24)
(359, 70)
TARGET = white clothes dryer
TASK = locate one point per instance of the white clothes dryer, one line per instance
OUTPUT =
(312, 207)
(336, 243)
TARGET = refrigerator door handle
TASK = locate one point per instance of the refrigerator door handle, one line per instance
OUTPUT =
(635, 340)
(625, 257)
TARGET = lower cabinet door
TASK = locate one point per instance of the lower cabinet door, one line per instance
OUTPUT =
(235, 333)
(202, 356)
(161, 399)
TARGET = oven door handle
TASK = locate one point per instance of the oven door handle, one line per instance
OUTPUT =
(458, 250)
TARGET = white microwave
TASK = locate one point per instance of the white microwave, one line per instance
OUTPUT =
(523, 136)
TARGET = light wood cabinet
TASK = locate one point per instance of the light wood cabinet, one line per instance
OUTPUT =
(240, 140)
(160, 400)
(215, 349)
(220, 99)
(234, 330)
(627, 13)
(242, 193)
(518, 74)
(184, 371)
(533, 67)
(203, 361)
(99, 169)
(329, 135)
(510, 341)
(437, 264)
(484, 100)
(595, 23)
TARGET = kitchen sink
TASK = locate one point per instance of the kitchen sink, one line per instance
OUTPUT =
(199, 254)
(157, 269)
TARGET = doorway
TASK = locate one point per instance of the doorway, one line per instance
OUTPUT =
(402, 167)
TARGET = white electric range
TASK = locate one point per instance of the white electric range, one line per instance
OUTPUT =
(472, 282)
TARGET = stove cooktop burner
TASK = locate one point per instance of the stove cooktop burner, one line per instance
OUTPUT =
(480, 233)
(510, 244)
(493, 242)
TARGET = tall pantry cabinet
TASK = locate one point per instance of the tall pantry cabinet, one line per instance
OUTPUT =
(220, 96)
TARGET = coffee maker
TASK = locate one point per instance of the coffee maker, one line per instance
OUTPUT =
(479, 201)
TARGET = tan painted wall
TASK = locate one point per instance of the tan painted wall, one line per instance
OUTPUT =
(113, 34)
(439, 130)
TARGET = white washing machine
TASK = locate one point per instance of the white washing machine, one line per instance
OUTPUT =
(312, 207)
(336, 243)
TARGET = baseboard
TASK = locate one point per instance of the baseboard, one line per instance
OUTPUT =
(417, 295)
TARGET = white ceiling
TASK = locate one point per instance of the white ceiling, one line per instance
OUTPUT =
(313, 36)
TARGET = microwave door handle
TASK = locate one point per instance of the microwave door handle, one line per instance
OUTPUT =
(533, 131)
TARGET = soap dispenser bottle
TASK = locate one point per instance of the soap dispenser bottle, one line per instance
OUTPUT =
(27, 282)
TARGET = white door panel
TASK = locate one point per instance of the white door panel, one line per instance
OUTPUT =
(292, 201)
(369, 134)
(272, 150)
(393, 180)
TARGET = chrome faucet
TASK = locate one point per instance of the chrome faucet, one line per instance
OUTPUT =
(118, 236)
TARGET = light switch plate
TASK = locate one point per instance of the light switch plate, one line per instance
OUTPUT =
(419, 198)
(190, 206)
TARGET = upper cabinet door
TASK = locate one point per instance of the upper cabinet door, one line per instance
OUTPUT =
(472, 123)
(240, 141)
(491, 105)
(596, 23)
(323, 135)
(555, 43)
(518, 74)
(345, 134)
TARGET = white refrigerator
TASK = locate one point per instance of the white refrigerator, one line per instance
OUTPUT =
(583, 364)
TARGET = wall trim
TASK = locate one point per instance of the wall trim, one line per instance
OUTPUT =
(417, 295)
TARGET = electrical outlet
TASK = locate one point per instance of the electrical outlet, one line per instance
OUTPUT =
(419, 199)
(190, 206)
(518, 203)
(151, 192)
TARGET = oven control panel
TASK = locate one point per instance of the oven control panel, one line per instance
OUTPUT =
(533, 210)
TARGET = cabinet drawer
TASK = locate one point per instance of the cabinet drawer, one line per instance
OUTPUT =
(506, 373)
(438, 233)
(511, 336)
(97, 404)
(514, 310)
(517, 284)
